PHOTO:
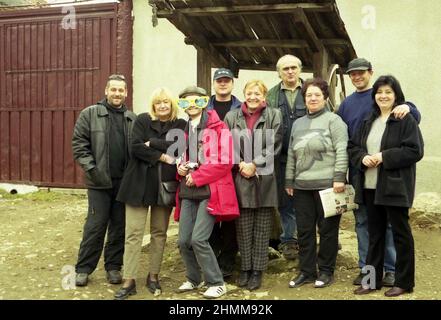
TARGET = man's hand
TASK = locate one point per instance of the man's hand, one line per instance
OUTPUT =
(289, 191)
(401, 111)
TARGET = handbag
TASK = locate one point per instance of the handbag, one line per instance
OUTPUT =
(167, 190)
(194, 193)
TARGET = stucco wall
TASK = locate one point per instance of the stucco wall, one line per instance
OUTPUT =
(400, 37)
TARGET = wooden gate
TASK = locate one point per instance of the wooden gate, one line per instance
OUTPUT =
(47, 75)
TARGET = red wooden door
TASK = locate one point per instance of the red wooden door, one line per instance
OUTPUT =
(47, 75)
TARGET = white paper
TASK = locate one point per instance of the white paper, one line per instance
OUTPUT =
(338, 203)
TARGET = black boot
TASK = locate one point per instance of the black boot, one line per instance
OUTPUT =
(244, 277)
(255, 280)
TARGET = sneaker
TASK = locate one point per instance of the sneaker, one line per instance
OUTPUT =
(114, 277)
(215, 292)
(189, 286)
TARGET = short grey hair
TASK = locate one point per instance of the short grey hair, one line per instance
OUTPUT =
(285, 58)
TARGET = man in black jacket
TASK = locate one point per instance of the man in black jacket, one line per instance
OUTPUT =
(100, 146)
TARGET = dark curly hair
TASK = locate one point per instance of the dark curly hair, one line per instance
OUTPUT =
(316, 82)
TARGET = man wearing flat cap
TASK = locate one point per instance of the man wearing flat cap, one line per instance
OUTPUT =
(353, 110)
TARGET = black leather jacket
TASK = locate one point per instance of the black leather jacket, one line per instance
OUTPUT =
(90, 144)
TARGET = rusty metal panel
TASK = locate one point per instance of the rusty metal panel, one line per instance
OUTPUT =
(47, 76)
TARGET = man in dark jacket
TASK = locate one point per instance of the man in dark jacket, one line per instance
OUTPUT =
(287, 97)
(223, 238)
(100, 146)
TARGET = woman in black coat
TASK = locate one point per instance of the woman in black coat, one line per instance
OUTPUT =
(140, 188)
(385, 151)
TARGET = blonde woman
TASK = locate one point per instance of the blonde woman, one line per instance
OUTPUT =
(140, 187)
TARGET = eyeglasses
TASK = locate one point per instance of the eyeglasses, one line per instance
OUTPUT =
(199, 102)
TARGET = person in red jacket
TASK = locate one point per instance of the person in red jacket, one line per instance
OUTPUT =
(206, 194)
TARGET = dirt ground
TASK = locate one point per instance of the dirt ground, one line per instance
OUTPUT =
(41, 233)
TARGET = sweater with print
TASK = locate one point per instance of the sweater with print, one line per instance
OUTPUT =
(317, 154)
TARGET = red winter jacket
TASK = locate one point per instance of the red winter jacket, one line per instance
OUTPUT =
(216, 173)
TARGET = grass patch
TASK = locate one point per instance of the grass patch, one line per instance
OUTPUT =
(42, 195)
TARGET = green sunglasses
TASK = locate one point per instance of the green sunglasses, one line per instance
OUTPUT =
(200, 102)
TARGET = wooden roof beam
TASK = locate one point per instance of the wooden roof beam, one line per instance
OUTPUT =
(288, 43)
(248, 9)
(182, 23)
(304, 27)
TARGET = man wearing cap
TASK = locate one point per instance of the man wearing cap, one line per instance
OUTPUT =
(223, 238)
(353, 110)
(287, 97)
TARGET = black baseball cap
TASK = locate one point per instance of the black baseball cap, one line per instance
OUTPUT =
(359, 64)
(223, 73)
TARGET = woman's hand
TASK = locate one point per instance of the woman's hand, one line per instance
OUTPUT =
(189, 180)
(167, 159)
(247, 170)
(369, 161)
(182, 170)
(339, 187)
(289, 191)
(378, 157)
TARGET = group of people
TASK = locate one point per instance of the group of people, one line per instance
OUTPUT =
(232, 167)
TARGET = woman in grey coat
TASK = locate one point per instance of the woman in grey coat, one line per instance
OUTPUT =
(257, 135)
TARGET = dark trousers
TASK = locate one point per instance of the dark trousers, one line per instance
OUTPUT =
(378, 216)
(105, 213)
(310, 214)
(224, 243)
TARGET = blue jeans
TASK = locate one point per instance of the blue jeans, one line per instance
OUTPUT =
(361, 228)
(288, 221)
(195, 226)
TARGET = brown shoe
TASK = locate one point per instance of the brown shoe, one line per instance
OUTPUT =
(396, 291)
(361, 290)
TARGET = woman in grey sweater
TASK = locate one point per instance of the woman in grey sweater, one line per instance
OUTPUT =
(317, 160)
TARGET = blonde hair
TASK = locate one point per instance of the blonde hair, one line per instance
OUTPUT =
(256, 83)
(159, 95)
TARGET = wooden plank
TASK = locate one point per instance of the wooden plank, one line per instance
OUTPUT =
(47, 137)
(58, 145)
(4, 146)
(25, 147)
(284, 43)
(246, 10)
(302, 23)
(2, 68)
(96, 53)
(68, 163)
(14, 147)
(191, 31)
(36, 158)
(321, 64)
(204, 70)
